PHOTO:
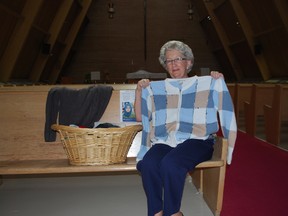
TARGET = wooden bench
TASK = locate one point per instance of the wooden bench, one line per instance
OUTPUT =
(262, 94)
(232, 90)
(242, 93)
(23, 149)
(276, 114)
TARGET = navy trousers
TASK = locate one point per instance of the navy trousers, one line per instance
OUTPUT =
(164, 169)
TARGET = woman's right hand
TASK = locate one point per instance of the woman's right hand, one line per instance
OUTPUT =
(143, 83)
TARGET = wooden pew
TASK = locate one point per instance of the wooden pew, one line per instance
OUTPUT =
(242, 93)
(22, 120)
(276, 114)
(23, 149)
(232, 90)
(262, 94)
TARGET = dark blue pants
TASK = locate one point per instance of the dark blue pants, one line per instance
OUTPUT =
(164, 170)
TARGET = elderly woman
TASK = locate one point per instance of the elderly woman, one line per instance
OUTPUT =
(177, 58)
(179, 118)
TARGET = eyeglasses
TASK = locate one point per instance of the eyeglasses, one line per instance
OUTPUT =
(175, 61)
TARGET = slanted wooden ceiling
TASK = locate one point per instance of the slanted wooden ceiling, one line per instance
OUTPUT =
(249, 38)
(37, 36)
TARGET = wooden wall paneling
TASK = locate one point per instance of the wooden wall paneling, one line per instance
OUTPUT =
(237, 40)
(53, 61)
(245, 58)
(10, 20)
(117, 46)
(69, 39)
(249, 36)
(17, 39)
(53, 28)
(231, 26)
(216, 46)
(161, 28)
(282, 7)
(223, 60)
(262, 15)
(123, 50)
(16, 5)
(275, 49)
(70, 19)
(25, 62)
(216, 2)
(112, 46)
(213, 39)
(47, 14)
(224, 40)
(266, 34)
(200, 9)
(119, 43)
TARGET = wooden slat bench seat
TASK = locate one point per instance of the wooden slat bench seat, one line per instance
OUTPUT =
(62, 166)
(58, 166)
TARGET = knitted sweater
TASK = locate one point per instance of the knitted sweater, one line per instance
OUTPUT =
(174, 110)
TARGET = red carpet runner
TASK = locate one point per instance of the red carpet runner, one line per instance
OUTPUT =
(257, 180)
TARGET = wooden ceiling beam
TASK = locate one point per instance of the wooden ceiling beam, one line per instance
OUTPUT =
(18, 39)
(223, 38)
(70, 40)
(282, 7)
(250, 37)
(54, 31)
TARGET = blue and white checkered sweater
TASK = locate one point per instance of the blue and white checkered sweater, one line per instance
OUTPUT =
(174, 110)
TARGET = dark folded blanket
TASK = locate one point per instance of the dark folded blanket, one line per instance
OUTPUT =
(80, 107)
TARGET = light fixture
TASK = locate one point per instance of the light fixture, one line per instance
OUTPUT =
(111, 10)
(190, 11)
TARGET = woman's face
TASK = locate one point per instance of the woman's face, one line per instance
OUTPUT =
(176, 64)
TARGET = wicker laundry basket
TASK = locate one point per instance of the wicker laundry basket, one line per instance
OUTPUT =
(98, 146)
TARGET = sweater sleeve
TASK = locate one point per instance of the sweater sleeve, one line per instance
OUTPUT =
(226, 116)
(146, 113)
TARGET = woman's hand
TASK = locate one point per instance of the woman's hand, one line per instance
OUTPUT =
(216, 74)
(143, 83)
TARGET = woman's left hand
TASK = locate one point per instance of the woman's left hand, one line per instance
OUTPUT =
(216, 74)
